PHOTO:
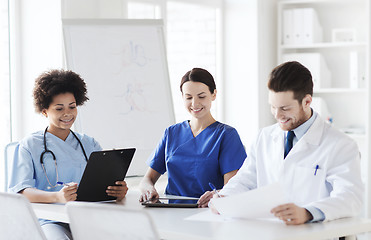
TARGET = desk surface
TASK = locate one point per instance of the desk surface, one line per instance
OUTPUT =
(171, 224)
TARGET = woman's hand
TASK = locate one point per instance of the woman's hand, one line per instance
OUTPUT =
(211, 205)
(204, 199)
(67, 193)
(148, 194)
(119, 190)
(147, 185)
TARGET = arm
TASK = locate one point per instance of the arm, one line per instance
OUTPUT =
(232, 156)
(66, 194)
(344, 175)
(147, 185)
(229, 175)
(244, 179)
(23, 179)
(208, 195)
(344, 198)
(156, 161)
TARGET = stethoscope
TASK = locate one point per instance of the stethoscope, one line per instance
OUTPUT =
(46, 150)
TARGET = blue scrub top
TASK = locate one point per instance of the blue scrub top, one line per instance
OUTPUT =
(193, 162)
(27, 171)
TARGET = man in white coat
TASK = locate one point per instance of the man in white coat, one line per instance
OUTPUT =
(321, 172)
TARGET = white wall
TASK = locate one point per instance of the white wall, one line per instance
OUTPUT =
(93, 9)
(241, 67)
(267, 57)
(248, 56)
(36, 33)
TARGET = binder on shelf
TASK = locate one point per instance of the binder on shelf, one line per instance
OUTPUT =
(353, 70)
(287, 20)
(357, 70)
(301, 26)
(316, 64)
(312, 30)
(298, 22)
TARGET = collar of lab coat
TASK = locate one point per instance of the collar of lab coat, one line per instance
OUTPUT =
(313, 136)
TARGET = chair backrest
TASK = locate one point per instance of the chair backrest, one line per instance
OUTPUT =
(109, 221)
(8, 159)
(17, 218)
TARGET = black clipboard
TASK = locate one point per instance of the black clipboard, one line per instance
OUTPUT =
(103, 169)
(171, 202)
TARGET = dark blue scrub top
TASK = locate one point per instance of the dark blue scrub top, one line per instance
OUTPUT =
(193, 162)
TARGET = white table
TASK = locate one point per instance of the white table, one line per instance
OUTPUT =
(171, 224)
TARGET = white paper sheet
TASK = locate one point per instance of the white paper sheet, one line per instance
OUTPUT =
(256, 203)
(208, 216)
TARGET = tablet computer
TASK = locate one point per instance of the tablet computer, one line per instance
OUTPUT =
(171, 202)
(103, 169)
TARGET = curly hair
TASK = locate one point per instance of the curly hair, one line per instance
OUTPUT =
(55, 82)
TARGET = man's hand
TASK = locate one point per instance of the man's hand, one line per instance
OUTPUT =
(292, 214)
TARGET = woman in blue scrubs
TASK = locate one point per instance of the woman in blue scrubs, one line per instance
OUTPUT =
(56, 154)
(197, 151)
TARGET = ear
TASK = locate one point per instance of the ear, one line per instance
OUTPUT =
(44, 112)
(213, 96)
(307, 100)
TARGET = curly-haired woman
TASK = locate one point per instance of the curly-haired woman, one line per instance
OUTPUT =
(48, 164)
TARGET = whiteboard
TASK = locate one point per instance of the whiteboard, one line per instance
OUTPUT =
(123, 63)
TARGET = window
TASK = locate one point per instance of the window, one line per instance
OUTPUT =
(191, 42)
(143, 10)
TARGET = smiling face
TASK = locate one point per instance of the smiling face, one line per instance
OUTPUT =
(197, 99)
(61, 113)
(288, 112)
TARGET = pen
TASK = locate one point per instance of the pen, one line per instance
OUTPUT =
(315, 171)
(62, 184)
(214, 189)
(58, 184)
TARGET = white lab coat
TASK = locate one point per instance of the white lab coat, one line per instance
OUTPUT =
(336, 189)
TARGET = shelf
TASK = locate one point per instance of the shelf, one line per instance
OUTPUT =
(356, 136)
(325, 45)
(339, 90)
(349, 108)
(300, 2)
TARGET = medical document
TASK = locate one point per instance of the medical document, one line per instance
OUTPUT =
(256, 203)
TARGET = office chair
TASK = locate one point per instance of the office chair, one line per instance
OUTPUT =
(17, 218)
(109, 221)
(8, 158)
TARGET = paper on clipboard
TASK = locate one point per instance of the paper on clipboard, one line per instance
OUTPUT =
(256, 203)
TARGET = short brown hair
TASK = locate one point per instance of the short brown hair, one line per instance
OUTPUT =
(55, 82)
(199, 75)
(291, 76)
